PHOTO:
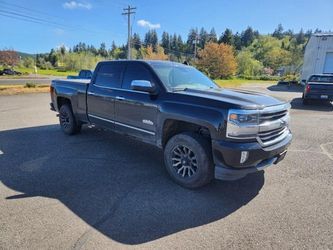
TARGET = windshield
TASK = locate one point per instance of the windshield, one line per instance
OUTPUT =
(176, 76)
(321, 78)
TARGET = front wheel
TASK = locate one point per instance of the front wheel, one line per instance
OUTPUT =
(188, 160)
(67, 120)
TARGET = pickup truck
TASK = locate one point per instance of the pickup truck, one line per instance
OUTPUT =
(83, 74)
(318, 87)
(205, 131)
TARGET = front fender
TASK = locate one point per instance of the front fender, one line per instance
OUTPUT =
(211, 118)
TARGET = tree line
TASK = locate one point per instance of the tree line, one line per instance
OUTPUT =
(247, 53)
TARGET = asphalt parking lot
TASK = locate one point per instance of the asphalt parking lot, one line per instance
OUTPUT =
(99, 190)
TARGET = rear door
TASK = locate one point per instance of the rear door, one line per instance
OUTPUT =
(136, 111)
(101, 93)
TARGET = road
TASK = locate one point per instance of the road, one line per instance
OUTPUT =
(98, 190)
(39, 80)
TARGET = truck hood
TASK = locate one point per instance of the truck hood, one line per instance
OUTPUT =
(242, 98)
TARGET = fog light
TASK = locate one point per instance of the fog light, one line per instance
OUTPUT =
(244, 156)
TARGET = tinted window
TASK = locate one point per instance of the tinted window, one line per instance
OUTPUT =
(88, 74)
(109, 75)
(316, 78)
(136, 71)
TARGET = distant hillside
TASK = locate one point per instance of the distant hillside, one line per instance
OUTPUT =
(25, 55)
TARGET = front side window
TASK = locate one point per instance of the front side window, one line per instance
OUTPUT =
(109, 75)
(135, 71)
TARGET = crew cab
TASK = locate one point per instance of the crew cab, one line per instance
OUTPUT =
(318, 87)
(205, 131)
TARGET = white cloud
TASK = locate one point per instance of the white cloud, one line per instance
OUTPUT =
(59, 32)
(147, 24)
(77, 5)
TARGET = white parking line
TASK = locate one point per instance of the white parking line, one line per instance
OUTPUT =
(325, 150)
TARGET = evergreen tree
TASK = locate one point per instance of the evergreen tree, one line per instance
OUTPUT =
(237, 41)
(136, 41)
(151, 39)
(300, 38)
(247, 37)
(52, 57)
(289, 32)
(227, 37)
(102, 50)
(203, 38)
(278, 32)
(191, 39)
(166, 42)
(212, 36)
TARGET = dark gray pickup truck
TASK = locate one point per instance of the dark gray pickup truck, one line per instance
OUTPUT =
(318, 87)
(205, 131)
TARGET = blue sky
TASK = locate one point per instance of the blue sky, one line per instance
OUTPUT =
(57, 22)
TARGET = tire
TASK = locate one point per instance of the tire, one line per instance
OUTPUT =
(67, 120)
(304, 100)
(188, 160)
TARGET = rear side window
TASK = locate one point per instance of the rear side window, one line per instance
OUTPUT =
(88, 74)
(109, 75)
(136, 71)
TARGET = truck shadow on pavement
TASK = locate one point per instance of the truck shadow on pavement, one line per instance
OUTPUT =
(286, 88)
(115, 184)
(314, 105)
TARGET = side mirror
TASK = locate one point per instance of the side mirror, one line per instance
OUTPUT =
(142, 85)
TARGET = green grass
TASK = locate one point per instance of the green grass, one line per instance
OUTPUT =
(46, 72)
(237, 82)
(53, 72)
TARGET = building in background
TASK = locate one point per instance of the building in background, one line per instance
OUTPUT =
(318, 56)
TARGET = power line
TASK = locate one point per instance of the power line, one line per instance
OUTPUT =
(128, 12)
(13, 6)
(30, 16)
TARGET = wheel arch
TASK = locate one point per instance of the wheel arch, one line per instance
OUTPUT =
(172, 126)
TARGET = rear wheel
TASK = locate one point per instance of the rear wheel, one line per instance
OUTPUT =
(67, 120)
(188, 160)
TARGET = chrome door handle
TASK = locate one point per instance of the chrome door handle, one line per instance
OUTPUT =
(120, 98)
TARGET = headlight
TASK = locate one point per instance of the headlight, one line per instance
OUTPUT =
(243, 124)
(243, 118)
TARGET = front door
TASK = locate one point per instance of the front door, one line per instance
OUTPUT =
(136, 111)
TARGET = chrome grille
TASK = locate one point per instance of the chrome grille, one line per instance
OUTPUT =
(272, 116)
(274, 125)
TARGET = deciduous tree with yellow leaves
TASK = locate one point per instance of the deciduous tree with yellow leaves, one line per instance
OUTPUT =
(217, 60)
(149, 53)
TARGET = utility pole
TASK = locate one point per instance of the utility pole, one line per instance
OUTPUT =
(128, 12)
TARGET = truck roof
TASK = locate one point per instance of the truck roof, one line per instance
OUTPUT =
(323, 34)
(152, 62)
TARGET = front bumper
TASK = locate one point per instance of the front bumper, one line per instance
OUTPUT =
(227, 157)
